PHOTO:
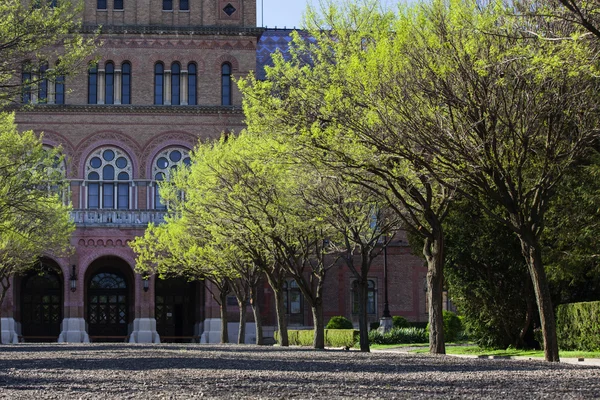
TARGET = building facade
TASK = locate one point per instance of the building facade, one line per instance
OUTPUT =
(161, 81)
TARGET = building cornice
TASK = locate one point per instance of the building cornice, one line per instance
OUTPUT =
(173, 30)
(128, 109)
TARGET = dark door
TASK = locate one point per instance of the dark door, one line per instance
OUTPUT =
(107, 305)
(175, 308)
(41, 306)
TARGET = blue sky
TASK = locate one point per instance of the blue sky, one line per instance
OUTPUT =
(288, 13)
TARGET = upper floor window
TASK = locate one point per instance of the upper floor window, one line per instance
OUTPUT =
(118, 5)
(101, 5)
(184, 5)
(292, 297)
(226, 84)
(108, 175)
(109, 83)
(93, 84)
(166, 162)
(126, 83)
(26, 79)
(43, 85)
(159, 75)
(59, 90)
(192, 84)
(167, 5)
(371, 297)
(175, 84)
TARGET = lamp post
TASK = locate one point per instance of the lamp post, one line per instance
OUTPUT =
(146, 282)
(385, 322)
(73, 279)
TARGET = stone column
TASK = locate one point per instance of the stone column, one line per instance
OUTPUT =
(167, 88)
(73, 328)
(184, 87)
(144, 324)
(118, 85)
(100, 86)
(9, 328)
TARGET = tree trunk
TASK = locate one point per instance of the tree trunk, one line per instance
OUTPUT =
(319, 336)
(257, 318)
(281, 322)
(243, 306)
(223, 309)
(363, 322)
(533, 255)
(434, 254)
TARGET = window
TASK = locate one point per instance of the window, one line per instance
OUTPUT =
(101, 5)
(175, 84)
(109, 83)
(292, 298)
(43, 85)
(118, 5)
(59, 90)
(92, 84)
(226, 85)
(192, 84)
(167, 5)
(184, 5)
(165, 163)
(159, 74)
(109, 173)
(26, 79)
(371, 298)
(126, 83)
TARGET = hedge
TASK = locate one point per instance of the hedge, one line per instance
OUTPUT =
(578, 326)
(399, 335)
(333, 337)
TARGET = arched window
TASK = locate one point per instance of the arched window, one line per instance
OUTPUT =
(371, 297)
(26, 79)
(226, 84)
(93, 84)
(192, 84)
(159, 75)
(108, 173)
(118, 4)
(126, 83)
(59, 90)
(175, 84)
(109, 83)
(43, 85)
(165, 163)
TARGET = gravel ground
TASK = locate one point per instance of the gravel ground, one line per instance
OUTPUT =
(122, 371)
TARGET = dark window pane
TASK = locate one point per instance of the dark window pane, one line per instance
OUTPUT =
(121, 162)
(108, 155)
(158, 83)
(175, 155)
(123, 176)
(184, 5)
(101, 4)
(92, 82)
(95, 162)
(108, 195)
(175, 77)
(108, 173)
(109, 78)
(93, 193)
(167, 5)
(59, 89)
(118, 4)
(93, 176)
(162, 162)
(126, 83)
(123, 198)
(43, 85)
(226, 85)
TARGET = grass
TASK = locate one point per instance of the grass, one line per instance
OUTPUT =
(478, 351)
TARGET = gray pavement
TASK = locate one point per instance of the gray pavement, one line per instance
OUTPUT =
(123, 371)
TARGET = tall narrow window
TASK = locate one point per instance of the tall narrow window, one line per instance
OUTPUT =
(226, 85)
(109, 83)
(118, 4)
(92, 84)
(108, 174)
(43, 85)
(192, 84)
(167, 5)
(93, 190)
(126, 83)
(59, 90)
(175, 84)
(101, 5)
(159, 75)
(26, 81)
(123, 191)
(371, 297)
(184, 5)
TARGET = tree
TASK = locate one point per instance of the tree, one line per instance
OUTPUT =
(39, 41)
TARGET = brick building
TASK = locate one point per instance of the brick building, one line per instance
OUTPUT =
(161, 83)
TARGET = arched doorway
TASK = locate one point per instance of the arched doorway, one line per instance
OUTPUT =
(42, 304)
(175, 309)
(109, 299)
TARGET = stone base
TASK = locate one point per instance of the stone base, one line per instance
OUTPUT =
(73, 331)
(144, 331)
(385, 325)
(212, 331)
(9, 333)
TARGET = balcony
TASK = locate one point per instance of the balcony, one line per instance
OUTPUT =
(134, 218)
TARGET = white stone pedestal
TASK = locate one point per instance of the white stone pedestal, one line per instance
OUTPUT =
(144, 331)
(73, 331)
(9, 331)
(385, 324)
(212, 331)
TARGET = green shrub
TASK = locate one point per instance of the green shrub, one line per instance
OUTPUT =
(422, 325)
(578, 326)
(374, 325)
(339, 323)
(452, 327)
(399, 322)
(333, 337)
(399, 336)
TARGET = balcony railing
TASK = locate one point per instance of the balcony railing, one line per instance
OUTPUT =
(117, 217)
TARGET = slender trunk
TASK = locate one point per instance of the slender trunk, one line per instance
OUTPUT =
(281, 322)
(243, 306)
(223, 309)
(257, 318)
(533, 255)
(363, 322)
(319, 336)
(434, 254)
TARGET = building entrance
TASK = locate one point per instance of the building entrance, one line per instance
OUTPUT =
(41, 306)
(175, 309)
(108, 306)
